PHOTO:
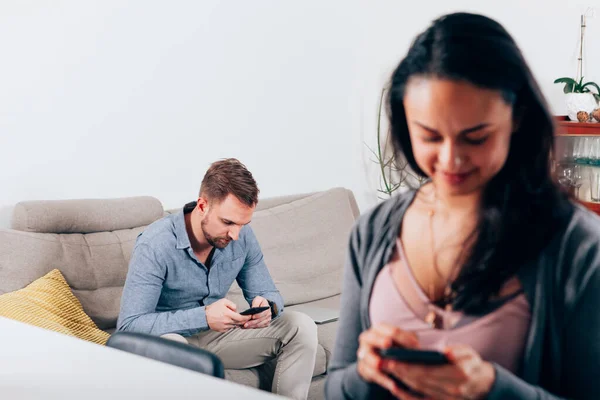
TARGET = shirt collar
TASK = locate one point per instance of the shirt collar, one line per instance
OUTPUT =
(183, 240)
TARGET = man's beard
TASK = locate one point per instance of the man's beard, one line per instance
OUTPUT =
(220, 242)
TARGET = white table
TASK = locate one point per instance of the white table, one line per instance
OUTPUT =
(39, 364)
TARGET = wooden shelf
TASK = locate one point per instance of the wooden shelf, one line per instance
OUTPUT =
(594, 207)
(567, 127)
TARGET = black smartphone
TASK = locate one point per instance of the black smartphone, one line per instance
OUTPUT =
(426, 357)
(254, 310)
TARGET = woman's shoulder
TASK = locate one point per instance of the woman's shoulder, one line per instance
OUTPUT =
(386, 213)
(577, 248)
(581, 231)
(375, 229)
(584, 220)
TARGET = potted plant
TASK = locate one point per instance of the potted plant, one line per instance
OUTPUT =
(581, 102)
(579, 96)
(394, 170)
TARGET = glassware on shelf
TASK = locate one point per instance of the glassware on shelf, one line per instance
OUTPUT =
(585, 151)
(566, 178)
(578, 145)
(577, 179)
(595, 184)
(565, 149)
(594, 154)
(592, 157)
(576, 149)
(572, 179)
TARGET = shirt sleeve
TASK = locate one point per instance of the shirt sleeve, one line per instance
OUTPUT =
(254, 278)
(142, 290)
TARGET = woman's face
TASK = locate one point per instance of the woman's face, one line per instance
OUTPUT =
(460, 133)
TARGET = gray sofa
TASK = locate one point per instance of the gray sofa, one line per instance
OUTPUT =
(303, 238)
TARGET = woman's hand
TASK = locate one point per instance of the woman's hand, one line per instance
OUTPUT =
(466, 377)
(369, 364)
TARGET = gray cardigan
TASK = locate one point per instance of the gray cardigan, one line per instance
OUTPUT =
(562, 351)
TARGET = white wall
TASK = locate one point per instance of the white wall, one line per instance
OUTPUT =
(122, 98)
(547, 32)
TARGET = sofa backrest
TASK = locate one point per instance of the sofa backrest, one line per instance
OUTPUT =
(94, 262)
(303, 238)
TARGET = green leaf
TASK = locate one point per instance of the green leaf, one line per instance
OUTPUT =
(578, 88)
(592, 84)
(570, 88)
(565, 80)
(569, 84)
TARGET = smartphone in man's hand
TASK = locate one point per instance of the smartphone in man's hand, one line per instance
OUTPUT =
(254, 310)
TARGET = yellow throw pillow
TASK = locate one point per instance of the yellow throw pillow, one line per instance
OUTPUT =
(49, 303)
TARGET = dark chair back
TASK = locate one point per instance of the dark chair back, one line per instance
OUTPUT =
(168, 351)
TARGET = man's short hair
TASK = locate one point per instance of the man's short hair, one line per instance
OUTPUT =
(229, 176)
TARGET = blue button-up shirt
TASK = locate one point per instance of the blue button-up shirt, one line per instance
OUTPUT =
(167, 288)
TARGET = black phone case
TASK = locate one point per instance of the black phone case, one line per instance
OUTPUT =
(254, 310)
(412, 356)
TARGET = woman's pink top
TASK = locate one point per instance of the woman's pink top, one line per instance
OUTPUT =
(498, 336)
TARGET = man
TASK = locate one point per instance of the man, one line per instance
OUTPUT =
(182, 267)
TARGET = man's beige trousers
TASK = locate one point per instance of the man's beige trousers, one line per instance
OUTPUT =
(291, 338)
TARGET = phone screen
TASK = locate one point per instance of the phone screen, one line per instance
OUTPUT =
(254, 310)
(415, 356)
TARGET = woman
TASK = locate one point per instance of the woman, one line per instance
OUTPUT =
(487, 262)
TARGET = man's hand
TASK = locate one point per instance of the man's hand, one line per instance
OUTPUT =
(262, 319)
(222, 316)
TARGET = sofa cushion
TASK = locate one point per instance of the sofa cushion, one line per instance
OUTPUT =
(304, 244)
(48, 303)
(85, 216)
(317, 388)
(326, 332)
(94, 265)
(249, 377)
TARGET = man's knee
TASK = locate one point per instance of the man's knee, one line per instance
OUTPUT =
(175, 337)
(301, 326)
